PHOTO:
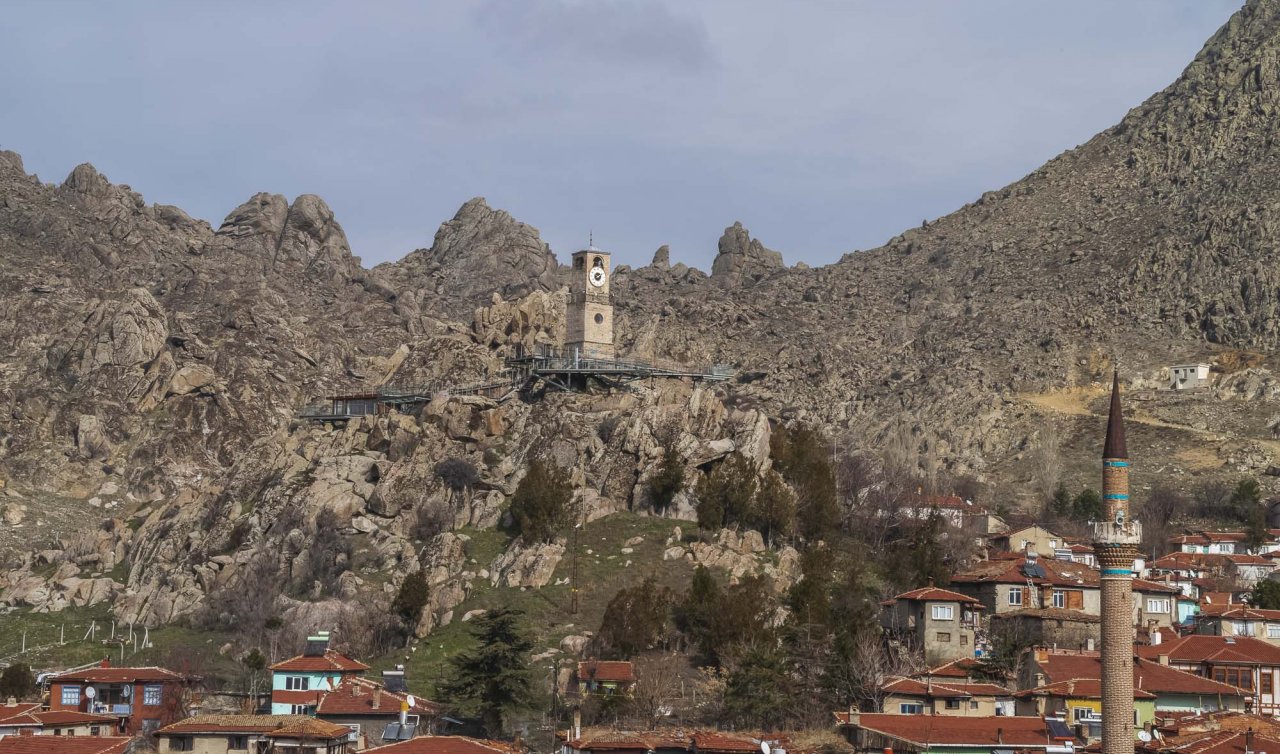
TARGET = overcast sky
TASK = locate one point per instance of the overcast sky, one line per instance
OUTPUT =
(823, 126)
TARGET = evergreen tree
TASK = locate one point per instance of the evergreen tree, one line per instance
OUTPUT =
(810, 598)
(1088, 505)
(1265, 595)
(758, 692)
(696, 612)
(411, 599)
(492, 680)
(1246, 505)
(664, 485)
(540, 506)
(636, 619)
(800, 454)
(1061, 504)
(17, 681)
(725, 494)
(774, 508)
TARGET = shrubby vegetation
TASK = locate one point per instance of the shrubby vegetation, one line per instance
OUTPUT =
(540, 506)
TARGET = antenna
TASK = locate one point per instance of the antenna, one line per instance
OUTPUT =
(765, 748)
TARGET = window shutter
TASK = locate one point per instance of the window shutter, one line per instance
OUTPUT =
(1075, 600)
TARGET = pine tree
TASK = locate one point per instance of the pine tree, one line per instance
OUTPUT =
(636, 619)
(492, 680)
(774, 509)
(540, 505)
(726, 494)
(758, 692)
(668, 480)
(17, 681)
(1088, 505)
(411, 599)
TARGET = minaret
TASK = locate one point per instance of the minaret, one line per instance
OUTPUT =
(1115, 540)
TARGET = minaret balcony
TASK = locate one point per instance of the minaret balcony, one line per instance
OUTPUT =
(1112, 533)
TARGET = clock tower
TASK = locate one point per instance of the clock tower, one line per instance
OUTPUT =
(588, 331)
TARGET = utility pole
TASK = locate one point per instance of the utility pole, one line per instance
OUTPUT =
(573, 571)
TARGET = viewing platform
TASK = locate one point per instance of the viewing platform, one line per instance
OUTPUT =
(524, 373)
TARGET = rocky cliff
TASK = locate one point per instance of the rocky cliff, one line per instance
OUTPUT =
(154, 365)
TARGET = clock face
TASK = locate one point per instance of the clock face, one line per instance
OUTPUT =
(597, 276)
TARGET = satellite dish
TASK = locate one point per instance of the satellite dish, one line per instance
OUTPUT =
(127, 691)
(765, 748)
(1144, 736)
(411, 700)
(90, 692)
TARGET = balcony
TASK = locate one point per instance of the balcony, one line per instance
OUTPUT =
(1111, 533)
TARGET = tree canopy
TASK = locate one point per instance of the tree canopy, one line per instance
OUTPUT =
(491, 680)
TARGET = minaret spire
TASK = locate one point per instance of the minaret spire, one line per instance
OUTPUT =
(1115, 540)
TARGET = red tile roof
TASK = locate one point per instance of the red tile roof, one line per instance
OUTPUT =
(22, 709)
(950, 730)
(1051, 613)
(1201, 561)
(1143, 585)
(608, 671)
(965, 667)
(1238, 612)
(1009, 571)
(940, 690)
(117, 675)
(1080, 688)
(329, 661)
(932, 594)
(609, 740)
(63, 745)
(1207, 537)
(449, 745)
(310, 728)
(362, 696)
(212, 724)
(1215, 650)
(1220, 742)
(713, 741)
(1061, 667)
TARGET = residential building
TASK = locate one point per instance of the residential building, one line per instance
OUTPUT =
(450, 745)
(603, 677)
(1080, 703)
(1175, 691)
(957, 511)
(1249, 663)
(1239, 620)
(942, 623)
(28, 743)
(298, 682)
(1155, 604)
(1209, 542)
(1196, 573)
(375, 713)
(233, 734)
(1220, 733)
(1188, 376)
(1033, 537)
(911, 696)
(1051, 626)
(1077, 552)
(956, 735)
(140, 699)
(309, 737)
(1019, 581)
(32, 717)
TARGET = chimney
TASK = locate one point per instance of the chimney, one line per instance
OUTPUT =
(355, 690)
(11, 702)
(1164, 659)
(106, 662)
(577, 723)
(1089, 644)
(377, 698)
(1000, 736)
(1155, 637)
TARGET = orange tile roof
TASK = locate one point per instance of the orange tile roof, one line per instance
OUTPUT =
(21, 709)
(362, 696)
(329, 661)
(713, 741)
(64, 744)
(308, 727)
(449, 745)
(951, 730)
(117, 675)
(1220, 742)
(964, 667)
(1238, 612)
(1079, 688)
(230, 724)
(932, 594)
(1143, 585)
(1201, 561)
(1061, 667)
(610, 671)
(1215, 650)
(940, 690)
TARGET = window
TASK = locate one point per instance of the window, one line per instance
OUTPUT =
(297, 683)
(1080, 713)
(95, 730)
(152, 694)
(297, 709)
(964, 640)
(182, 743)
(944, 612)
(953, 704)
(1157, 606)
(1015, 596)
(1241, 628)
(238, 742)
(71, 696)
(944, 637)
(973, 704)
(1273, 630)
(1059, 598)
(1242, 677)
(910, 709)
(1264, 682)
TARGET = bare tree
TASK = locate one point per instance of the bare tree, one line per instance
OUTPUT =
(1046, 469)
(869, 664)
(657, 691)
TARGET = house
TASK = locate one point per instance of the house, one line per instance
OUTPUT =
(1197, 573)
(956, 510)
(256, 734)
(450, 745)
(298, 682)
(1239, 620)
(940, 622)
(1209, 542)
(1251, 664)
(1051, 626)
(960, 735)
(1024, 580)
(1077, 552)
(141, 699)
(1079, 702)
(377, 713)
(603, 677)
(1188, 376)
(1221, 733)
(911, 696)
(1033, 537)
(1155, 604)
(27, 743)
(32, 717)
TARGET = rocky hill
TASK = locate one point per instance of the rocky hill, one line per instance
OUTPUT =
(154, 365)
